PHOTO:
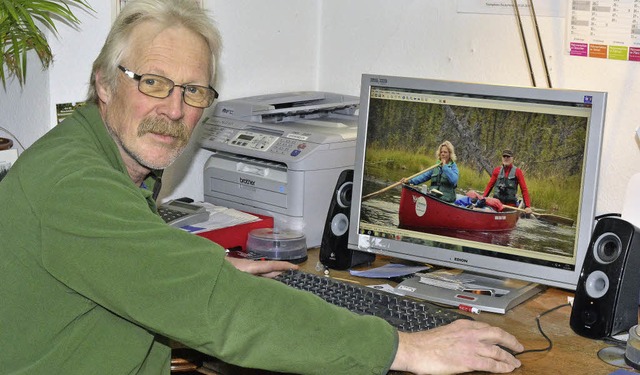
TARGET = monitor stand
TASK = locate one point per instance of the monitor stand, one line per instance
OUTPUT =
(486, 293)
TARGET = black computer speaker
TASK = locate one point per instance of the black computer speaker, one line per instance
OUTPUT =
(606, 299)
(333, 248)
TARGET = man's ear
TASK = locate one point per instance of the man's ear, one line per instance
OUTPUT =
(103, 90)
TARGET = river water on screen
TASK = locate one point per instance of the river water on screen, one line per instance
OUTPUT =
(530, 233)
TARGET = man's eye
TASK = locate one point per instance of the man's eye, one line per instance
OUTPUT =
(149, 81)
(192, 90)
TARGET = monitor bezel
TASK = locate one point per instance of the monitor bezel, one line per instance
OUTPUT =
(484, 264)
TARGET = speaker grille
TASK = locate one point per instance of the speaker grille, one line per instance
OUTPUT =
(607, 248)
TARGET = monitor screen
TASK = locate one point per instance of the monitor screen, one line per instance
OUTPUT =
(554, 137)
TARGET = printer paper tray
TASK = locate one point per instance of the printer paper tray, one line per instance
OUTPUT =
(256, 197)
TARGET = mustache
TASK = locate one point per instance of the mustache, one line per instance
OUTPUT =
(176, 129)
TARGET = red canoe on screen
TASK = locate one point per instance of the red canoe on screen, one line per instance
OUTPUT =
(419, 211)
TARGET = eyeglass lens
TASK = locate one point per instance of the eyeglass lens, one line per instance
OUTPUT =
(161, 87)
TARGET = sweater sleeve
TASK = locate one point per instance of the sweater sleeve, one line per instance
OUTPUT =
(426, 176)
(492, 182)
(523, 187)
(452, 173)
(114, 251)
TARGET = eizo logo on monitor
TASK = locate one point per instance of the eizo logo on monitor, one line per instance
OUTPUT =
(461, 260)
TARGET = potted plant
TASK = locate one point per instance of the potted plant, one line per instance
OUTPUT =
(21, 29)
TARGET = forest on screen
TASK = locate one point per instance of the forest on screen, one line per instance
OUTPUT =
(402, 138)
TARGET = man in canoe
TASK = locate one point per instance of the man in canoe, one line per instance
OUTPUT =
(444, 177)
(506, 178)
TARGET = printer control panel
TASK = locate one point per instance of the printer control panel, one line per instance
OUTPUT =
(252, 140)
(255, 141)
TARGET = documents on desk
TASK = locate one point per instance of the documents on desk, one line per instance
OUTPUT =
(228, 227)
(280, 155)
(221, 217)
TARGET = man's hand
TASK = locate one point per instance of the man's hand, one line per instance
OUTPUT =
(268, 268)
(528, 210)
(461, 346)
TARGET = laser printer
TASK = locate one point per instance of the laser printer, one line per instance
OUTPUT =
(280, 155)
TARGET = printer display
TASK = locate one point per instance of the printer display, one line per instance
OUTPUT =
(280, 155)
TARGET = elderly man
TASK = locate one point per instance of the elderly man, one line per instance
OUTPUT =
(92, 281)
(506, 178)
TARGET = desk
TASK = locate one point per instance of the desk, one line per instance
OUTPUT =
(571, 353)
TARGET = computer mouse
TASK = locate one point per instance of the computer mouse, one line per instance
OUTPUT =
(513, 353)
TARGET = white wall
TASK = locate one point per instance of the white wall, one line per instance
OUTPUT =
(75, 49)
(24, 111)
(284, 45)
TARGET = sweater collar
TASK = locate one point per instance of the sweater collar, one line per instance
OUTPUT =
(95, 124)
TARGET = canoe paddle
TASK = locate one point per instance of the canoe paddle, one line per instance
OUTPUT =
(397, 183)
(555, 219)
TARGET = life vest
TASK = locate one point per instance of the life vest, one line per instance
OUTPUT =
(506, 187)
(440, 181)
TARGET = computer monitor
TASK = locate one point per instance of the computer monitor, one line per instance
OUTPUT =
(555, 135)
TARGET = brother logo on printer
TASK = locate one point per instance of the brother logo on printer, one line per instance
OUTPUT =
(247, 181)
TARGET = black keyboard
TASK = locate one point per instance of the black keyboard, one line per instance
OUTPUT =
(404, 313)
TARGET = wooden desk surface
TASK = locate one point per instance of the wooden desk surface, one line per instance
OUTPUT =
(571, 354)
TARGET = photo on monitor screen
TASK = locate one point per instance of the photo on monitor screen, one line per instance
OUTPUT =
(496, 179)
(547, 147)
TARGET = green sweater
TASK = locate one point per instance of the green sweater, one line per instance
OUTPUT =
(92, 281)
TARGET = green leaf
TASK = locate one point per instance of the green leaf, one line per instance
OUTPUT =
(20, 32)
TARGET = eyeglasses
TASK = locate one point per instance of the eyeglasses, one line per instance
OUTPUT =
(506, 156)
(161, 87)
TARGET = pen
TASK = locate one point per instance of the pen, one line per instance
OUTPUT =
(468, 308)
(347, 280)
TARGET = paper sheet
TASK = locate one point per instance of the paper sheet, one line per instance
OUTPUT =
(389, 270)
(220, 217)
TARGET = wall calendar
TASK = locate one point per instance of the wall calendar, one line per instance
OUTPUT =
(607, 29)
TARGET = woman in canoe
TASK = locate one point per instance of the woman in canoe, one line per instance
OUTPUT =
(444, 177)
